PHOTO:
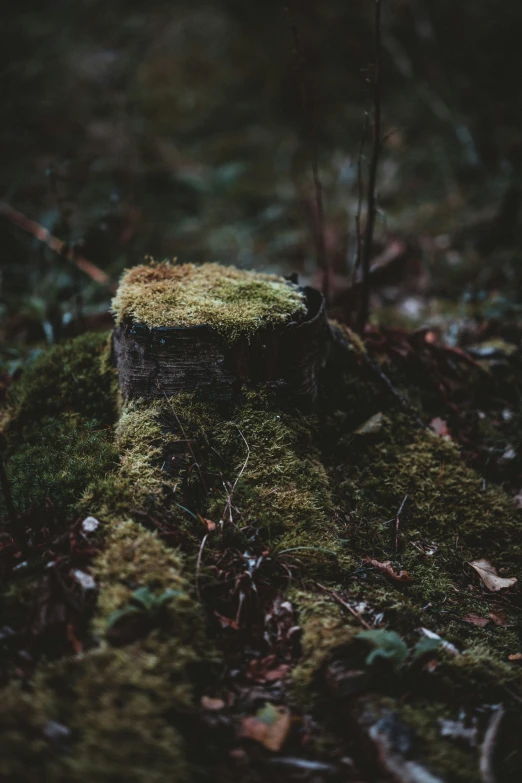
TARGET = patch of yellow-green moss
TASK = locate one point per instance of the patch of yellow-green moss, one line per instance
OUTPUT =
(282, 488)
(133, 557)
(180, 453)
(234, 302)
(324, 630)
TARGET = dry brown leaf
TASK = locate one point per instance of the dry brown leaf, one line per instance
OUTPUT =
(212, 705)
(440, 427)
(387, 568)
(489, 576)
(474, 619)
(226, 622)
(500, 618)
(269, 726)
(515, 657)
(211, 526)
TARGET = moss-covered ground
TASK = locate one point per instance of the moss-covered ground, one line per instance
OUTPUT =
(207, 515)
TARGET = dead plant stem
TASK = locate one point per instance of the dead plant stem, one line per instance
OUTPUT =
(372, 178)
(310, 116)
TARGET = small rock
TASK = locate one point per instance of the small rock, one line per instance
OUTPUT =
(85, 580)
(90, 524)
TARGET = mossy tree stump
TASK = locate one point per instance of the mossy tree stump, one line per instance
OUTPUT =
(215, 329)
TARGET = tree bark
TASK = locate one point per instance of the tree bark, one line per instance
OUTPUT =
(162, 361)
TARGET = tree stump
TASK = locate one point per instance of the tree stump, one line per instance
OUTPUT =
(214, 330)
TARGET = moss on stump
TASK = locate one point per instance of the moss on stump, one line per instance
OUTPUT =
(214, 330)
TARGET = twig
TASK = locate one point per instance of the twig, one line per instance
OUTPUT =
(372, 179)
(360, 199)
(487, 748)
(343, 603)
(57, 245)
(397, 521)
(228, 505)
(311, 123)
(200, 556)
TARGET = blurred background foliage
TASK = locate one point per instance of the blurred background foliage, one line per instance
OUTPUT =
(176, 129)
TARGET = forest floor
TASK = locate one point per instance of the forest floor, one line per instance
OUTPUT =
(242, 591)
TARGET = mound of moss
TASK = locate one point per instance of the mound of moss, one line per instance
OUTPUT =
(56, 431)
(234, 302)
(116, 709)
(319, 496)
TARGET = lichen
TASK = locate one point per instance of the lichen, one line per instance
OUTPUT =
(234, 302)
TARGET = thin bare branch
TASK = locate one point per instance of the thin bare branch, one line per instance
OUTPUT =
(57, 245)
(344, 604)
(228, 505)
(487, 750)
(360, 200)
(372, 179)
(310, 116)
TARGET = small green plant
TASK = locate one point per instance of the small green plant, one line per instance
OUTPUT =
(390, 646)
(142, 602)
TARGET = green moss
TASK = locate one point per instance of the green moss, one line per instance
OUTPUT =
(236, 303)
(450, 759)
(319, 496)
(56, 461)
(73, 377)
(133, 557)
(283, 490)
(23, 722)
(124, 709)
(324, 629)
(156, 464)
(57, 428)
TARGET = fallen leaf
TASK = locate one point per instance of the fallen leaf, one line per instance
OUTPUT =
(489, 576)
(474, 619)
(269, 726)
(226, 622)
(500, 618)
(440, 427)
(212, 705)
(515, 657)
(371, 425)
(387, 569)
(211, 526)
(267, 669)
